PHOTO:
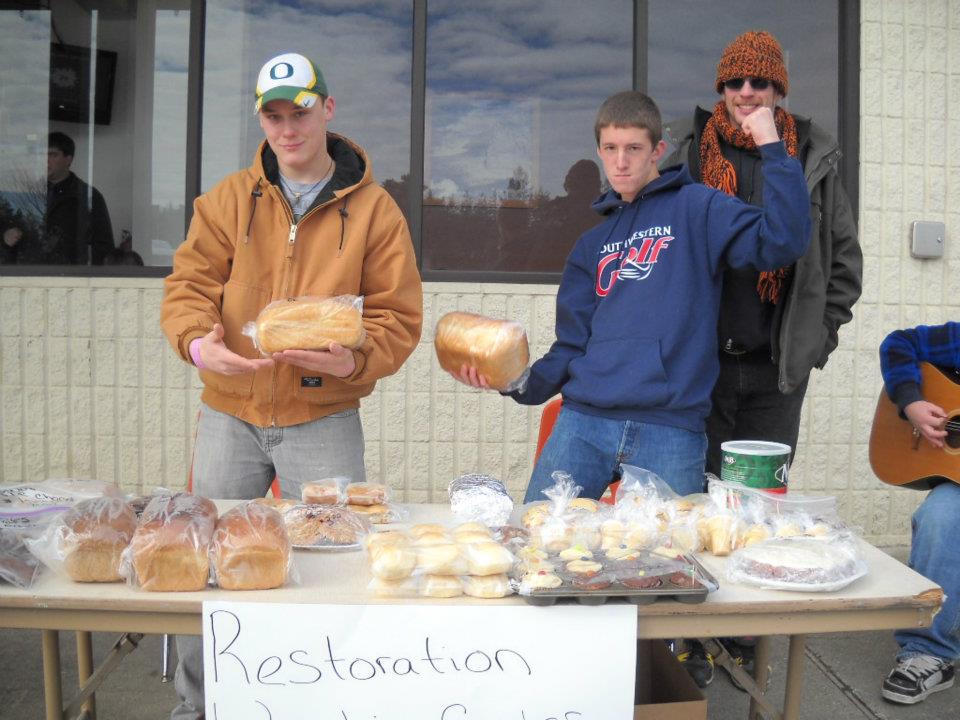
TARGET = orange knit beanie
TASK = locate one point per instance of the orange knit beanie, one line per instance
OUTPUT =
(755, 54)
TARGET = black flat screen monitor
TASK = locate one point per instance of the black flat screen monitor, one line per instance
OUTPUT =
(70, 84)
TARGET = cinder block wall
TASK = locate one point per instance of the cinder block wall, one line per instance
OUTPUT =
(89, 387)
(909, 160)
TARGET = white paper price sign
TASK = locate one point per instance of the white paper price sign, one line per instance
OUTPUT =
(418, 662)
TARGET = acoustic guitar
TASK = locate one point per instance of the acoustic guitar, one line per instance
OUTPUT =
(899, 455)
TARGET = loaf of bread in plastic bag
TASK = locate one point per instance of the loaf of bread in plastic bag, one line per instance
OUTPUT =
(170, 549)
(94, 534)
(308, 323)
(497, 348)
(250, 549)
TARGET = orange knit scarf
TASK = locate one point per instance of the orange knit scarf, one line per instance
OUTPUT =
(717, 172)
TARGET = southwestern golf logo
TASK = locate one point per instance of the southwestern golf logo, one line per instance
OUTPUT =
(637, 256)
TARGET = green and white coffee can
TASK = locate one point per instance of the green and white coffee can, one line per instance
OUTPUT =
(756, 464)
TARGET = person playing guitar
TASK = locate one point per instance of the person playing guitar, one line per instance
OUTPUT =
(926, 655)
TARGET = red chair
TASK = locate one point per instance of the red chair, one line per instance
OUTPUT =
(548, 419)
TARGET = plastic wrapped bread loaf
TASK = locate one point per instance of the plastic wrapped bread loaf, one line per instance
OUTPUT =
(308, 323)
(497, 348)
(250, 549)
(169, 550)
(86, 542)
(98, 531)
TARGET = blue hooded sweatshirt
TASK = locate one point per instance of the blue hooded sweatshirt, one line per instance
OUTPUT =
(638, 301)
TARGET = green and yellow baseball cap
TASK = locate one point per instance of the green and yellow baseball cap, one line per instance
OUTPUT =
(292, 77)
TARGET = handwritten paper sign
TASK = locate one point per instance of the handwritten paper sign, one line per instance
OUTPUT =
(418, 662)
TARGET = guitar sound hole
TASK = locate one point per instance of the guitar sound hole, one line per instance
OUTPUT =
(953, 433)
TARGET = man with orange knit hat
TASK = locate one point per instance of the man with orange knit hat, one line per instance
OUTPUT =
(774, 327)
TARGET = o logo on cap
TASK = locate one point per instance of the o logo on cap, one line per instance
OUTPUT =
(281, 71)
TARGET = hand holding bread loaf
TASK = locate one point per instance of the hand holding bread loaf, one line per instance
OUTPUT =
(496, 348)
(308, 323)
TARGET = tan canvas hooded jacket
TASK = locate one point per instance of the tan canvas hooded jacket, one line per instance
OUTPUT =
(243, 251)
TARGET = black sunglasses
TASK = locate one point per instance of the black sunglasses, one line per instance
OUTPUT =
(755, 83)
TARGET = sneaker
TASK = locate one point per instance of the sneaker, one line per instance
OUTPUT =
(742, 653)
(916, 677)
(698, 663)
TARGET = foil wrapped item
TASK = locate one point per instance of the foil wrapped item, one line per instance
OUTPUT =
(480, 498)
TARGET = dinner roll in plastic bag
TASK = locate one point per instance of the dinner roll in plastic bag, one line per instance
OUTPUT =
(86, 542)
(329, 491)
(308, 323)
(497, 348)
(170, 548)
(480, 498)
(411, 563)
(250, 548)
(565, 519)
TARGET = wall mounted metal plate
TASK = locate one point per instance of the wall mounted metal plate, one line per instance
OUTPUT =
(927, 239)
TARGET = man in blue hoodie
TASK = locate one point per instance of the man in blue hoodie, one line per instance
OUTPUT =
(635, 355)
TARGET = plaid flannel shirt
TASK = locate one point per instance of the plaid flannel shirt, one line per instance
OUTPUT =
(903, 350)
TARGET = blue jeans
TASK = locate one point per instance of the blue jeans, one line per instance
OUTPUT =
(933, 553)
(591, 449)
(234, 459)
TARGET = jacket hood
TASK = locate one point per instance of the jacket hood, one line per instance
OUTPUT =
(671, 177)
(353, 168)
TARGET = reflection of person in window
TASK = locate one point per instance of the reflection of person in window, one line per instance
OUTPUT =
(76, 228)
(569, 216)
(547, 233)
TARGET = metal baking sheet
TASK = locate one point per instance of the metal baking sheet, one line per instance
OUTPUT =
(639, 596)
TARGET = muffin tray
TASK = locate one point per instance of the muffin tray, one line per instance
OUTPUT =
(668, 586)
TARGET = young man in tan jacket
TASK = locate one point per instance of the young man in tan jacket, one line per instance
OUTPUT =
(306, 218)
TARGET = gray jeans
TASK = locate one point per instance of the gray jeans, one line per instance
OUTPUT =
(234, 459)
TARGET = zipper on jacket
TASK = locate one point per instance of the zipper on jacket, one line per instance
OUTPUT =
(291, 239)
(273, 396)
(288, 261)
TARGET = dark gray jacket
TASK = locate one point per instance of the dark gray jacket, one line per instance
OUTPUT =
(826, 281)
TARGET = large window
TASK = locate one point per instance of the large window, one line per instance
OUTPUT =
(92, 130)
(477, 117)
(510, 164)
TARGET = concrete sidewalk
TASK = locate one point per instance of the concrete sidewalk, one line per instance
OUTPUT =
(843, 672)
